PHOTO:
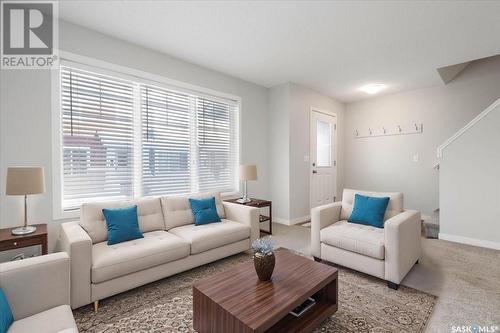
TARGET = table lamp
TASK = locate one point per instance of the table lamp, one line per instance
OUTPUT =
(247, 172)
(24, 181)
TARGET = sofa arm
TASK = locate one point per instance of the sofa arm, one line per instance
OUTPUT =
(36, 284)
(244, 214)
(402, 244)
(321, 217)
(75, 241)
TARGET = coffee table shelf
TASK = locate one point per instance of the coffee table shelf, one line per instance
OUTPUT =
(307, 322)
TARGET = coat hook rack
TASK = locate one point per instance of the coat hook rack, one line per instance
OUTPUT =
(411, 128)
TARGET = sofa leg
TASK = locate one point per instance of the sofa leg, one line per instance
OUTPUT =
(317, 259)
(392, 285)
(96, 306)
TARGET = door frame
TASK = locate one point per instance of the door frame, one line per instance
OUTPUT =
(335, 145)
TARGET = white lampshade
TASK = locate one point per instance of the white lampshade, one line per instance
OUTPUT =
(248, 172)
(25, 180)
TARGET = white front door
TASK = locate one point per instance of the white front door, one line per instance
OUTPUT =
(322, 158)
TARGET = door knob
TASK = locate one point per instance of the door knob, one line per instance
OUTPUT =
(314, 171)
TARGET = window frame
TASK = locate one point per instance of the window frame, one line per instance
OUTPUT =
(138, 77)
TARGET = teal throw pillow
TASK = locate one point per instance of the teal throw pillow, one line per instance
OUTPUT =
(204, 211)
(369, 210)
(122, 223)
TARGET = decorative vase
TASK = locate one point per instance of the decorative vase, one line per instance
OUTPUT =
(264, 265)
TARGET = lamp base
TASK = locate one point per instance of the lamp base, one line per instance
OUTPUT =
(23, 230)
(244, 200)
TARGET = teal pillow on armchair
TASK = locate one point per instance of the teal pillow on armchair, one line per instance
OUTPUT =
(6, 318)
(369, 210)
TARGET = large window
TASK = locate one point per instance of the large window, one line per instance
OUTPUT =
(125, 138)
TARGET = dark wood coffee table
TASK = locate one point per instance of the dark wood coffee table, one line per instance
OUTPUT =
(235, 300)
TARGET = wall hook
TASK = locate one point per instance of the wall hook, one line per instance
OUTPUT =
(370, 130)
(416, 127)
(356, 132)
(383, 129)
(399, 129)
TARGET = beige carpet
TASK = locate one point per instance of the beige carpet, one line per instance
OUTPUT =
(365, 305)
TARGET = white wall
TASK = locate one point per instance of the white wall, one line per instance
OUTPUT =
(302, 99)
(25, 117)
(279, 150)
(469, 185)
(385, 163)
(289, 112)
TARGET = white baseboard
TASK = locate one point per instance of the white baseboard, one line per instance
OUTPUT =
(297, 220)
(470, 241)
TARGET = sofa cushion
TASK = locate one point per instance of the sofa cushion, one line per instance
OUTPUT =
(177, 210)
(156, 248)
(394, 207)
(210, 236)
(54, 320)
(358, 238)
(149, 214)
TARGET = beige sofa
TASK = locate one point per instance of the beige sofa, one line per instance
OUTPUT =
(387, 253)
(171, 244)
(38, 292)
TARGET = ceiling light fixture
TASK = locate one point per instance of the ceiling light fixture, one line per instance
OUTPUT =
(373, 88)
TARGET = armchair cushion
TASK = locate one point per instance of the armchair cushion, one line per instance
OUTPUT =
(55, 320)
(358, 238)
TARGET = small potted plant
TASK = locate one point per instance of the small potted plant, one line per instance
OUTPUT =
(263, 258)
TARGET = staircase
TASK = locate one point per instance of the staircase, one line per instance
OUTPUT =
(469, 182)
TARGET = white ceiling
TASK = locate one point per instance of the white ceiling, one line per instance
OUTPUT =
(333, 47)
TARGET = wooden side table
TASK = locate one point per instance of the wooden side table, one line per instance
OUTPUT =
(9, 242)
(260, 203)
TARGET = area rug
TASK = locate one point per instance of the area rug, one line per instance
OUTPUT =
(365, 305)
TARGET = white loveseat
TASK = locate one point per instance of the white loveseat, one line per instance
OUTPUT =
(37, 290)
(387, 253)
(171, 244)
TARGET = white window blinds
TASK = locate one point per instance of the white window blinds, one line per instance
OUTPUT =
(165, 142)
(122, 138)
(217, 144)
(97, 137)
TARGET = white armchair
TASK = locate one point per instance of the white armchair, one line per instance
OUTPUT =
(387, 253)
(37, 290)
